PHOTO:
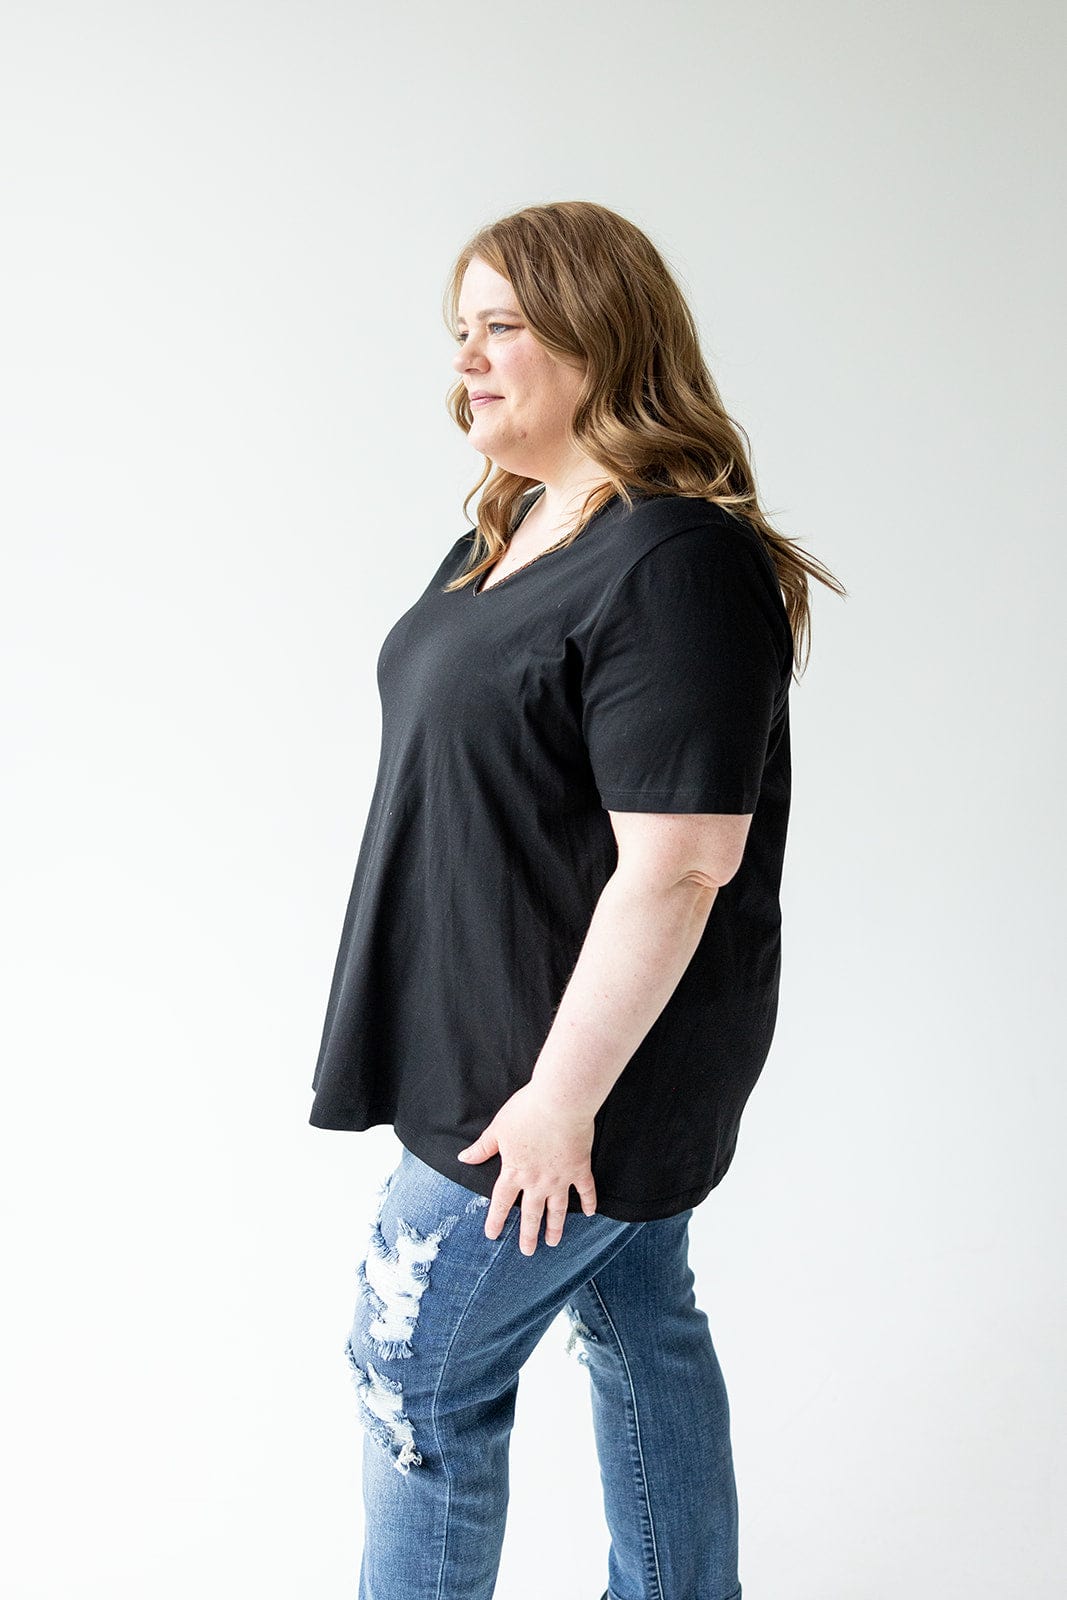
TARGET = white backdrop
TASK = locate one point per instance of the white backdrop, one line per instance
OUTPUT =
(227, 470)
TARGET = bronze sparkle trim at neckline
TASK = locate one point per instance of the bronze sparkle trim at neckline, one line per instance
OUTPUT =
(483, 588)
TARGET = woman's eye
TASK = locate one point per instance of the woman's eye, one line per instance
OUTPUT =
(460, 337)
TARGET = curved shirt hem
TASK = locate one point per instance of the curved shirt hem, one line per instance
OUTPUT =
(480, 1178)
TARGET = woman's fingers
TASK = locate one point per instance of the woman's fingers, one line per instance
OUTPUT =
(505, 1193)
(557, 1216)
(533, 1206)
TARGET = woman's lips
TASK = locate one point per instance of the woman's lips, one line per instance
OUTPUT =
(485, 399)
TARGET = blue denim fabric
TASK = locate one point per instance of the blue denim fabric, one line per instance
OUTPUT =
(444, 1322)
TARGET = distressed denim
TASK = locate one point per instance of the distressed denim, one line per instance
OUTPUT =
(446, 1318)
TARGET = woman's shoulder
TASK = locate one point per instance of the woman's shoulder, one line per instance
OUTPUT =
(654, 519)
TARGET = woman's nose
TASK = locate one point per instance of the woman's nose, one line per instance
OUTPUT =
(468, 356)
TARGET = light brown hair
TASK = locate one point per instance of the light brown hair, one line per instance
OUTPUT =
(593, 289)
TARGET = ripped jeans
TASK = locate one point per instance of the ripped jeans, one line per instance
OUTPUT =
(446, 1318)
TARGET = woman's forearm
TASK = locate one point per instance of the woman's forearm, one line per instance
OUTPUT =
(641, 938)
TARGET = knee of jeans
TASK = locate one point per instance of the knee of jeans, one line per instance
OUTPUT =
(392, 1281)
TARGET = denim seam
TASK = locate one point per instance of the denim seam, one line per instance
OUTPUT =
(501, 1242)
(592, 1284)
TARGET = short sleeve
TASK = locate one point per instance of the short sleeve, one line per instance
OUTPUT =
(685, 669)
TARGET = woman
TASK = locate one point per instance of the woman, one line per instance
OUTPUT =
(558, 973)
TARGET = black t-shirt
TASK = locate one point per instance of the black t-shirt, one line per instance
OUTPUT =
(644, 667)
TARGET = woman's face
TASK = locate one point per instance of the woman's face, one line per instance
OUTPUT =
(523, 429)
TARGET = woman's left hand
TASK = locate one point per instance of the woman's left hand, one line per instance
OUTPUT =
(543, 1150)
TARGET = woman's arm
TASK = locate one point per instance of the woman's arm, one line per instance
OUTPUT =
(644, 930)
(643, 933)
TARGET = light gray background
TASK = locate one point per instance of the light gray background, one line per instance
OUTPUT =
(228, 469)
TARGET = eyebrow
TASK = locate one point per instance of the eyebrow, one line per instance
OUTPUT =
(493, 311)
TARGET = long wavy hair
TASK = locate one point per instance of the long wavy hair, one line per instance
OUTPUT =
(595, 291)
